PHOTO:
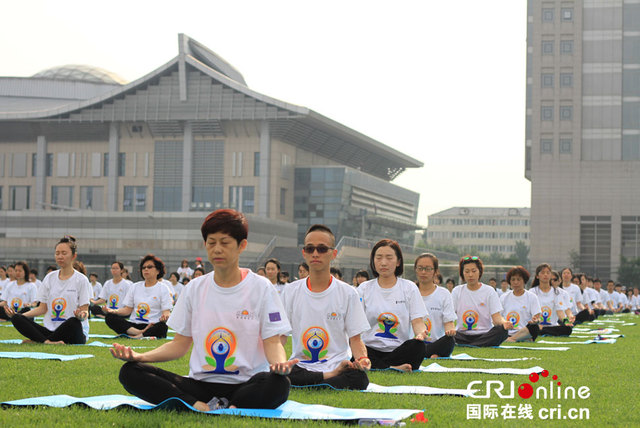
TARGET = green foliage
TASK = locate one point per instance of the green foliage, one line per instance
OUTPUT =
(629, 272)
(607, 370)
(521, 254)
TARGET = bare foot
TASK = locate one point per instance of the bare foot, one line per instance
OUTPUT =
(510, 339)
(28, 341)
(136, 336)
(199, 405)
(342, 367)
(57, 342)
(403, 367)
(435, 356)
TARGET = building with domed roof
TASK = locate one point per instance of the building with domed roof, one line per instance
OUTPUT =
(133, 167)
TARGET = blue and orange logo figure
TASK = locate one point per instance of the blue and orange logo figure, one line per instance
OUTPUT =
(113, 301)
(220, 346)
(427, 323)
(546, 315)
(315, 342)
(142, 312)
(387, 325)
(514, 318)
(57, 309)
(470, 319)
(16, 304)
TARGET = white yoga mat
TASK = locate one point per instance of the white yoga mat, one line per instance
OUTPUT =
(413, 389)
(437, 368)
(585, 342)
(467, 357)
(43, 356)
(537, 348)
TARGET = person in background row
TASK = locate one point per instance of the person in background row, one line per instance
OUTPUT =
(477, 305)
(199, 271)
(284, 277)
(303, 270)
(553, 304)
(272, 271)
(336, 273)
(19, 295)
(33, 277)
(520, 307)
(113, 292)
(504, 287)
(395, 310)
(184, 270)
(450, 284)
(50, 269)
(96, 287)
(260, 271)
(176, 287)
(437, 300)
(4, 279)
(234, 321)
(361, 276)
(199, 263)
(148, 303)
(64, 302)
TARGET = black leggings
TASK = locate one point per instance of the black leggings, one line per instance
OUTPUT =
(493, 337)
(411, 352)
(263, 391)
(442, 347)
(4, 316)
(70, 331)
(583, 316)
(556, 330)
(121, 325)
(348, 379)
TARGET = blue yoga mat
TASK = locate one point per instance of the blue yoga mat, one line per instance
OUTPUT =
(288, 410)
(43, 356)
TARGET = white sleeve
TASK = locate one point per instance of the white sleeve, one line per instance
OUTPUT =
(166, 300)
(85, 290)
(128, 299)
(494, 303)
(273, 319)
(534, 304)
(355, 318)
(448, 313)
(416, 304)
(180, 319)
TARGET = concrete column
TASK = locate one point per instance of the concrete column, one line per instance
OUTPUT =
(187, 166)
(264, 186)
(112, 179)
(41, 173)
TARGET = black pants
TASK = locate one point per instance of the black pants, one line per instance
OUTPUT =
(583, 316)
(349, 379)
(262, 391)
(70, 331)
(442, 347)
(96, 310)
(493, 337)
(556, 330)
(121, 325)
(4, 316)
(411, 352)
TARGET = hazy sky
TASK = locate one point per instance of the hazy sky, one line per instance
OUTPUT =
(442, 81)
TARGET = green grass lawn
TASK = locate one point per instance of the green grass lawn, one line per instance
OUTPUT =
(609, 371)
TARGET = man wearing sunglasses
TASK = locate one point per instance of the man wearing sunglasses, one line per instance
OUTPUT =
(327, 320)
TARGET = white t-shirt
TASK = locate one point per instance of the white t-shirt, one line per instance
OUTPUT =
(175, 291)
(635, 302)
(389, 311)
(475, 308)
(63, 298)
(519, 309)
(185, 272)
(439, 311)
(279, 287)
(564, 300)
(550, 303)
(148, 303)
(3, 283)
(618, 299)
(322, 323)
(17, 296)
(576, 296)
(603, 296)
(37, 283)
(228, 325)
(114, 294)
(590, 296)
(95, 289)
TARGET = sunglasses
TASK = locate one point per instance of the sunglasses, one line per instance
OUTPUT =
(148, 267)
(470, 258)
(322, 249)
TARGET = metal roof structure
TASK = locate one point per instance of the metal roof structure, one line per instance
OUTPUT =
(196, 86)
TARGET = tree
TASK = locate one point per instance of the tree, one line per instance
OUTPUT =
(522, 253)
(629, 272)
(574, 258)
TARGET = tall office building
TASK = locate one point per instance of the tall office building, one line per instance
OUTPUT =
(583, 132)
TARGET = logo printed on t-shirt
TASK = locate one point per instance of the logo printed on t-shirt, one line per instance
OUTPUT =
(334, 316)
(514, 318)
(57, 309)
(545, 311)
(16, 304)
(114, 299)
(387, 325)
(470, 319)
(315, 341)
(220, 345)
(245, 315)
(274, 316)
(142, 312)
(427, 323)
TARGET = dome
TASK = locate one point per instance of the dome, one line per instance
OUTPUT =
(84, 73)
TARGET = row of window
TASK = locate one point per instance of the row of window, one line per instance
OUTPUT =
(491, 248)
(564, 146)
(478, 221)
(477, 235)
(547, 113)
(565, 47)
(549, 14)
(547, 80)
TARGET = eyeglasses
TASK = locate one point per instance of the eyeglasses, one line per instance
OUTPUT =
(322, 249)
(148, 267)
(425, 269)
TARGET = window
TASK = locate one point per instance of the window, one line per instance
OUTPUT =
(62, 166)
(566, 14)
(547, 15)
(547, 47)
(34, 163)
(20, 197)
(135, 198)
(546, 146)
(62, 196)
(121, 164)
(206, 198)
(595, 245)
(566, 47)
(283, 201)
(566, 112)
(0, 197)
(167, 178)
(236, 164)
(565, 145)
(566, 80)
(285, 166)
(242, 199)
(256, 164)
(547, 80)
(546, 113)
(91, 198)
(105, 165)
(207, 176)
(19, 165)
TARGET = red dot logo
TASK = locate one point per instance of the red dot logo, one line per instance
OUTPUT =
(554, 377)
(545, 373)
(533, 377)
(525, 391)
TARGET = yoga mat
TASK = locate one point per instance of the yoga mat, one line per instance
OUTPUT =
(288, 410)
(586, 342)
(43, 356)
(96, 319)
(437, 368)
(467, 357)
(539, 348)
(399, 389)
(602, 336)
(98, 344)
(14, 341)
(111, 336)
(596, 331)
